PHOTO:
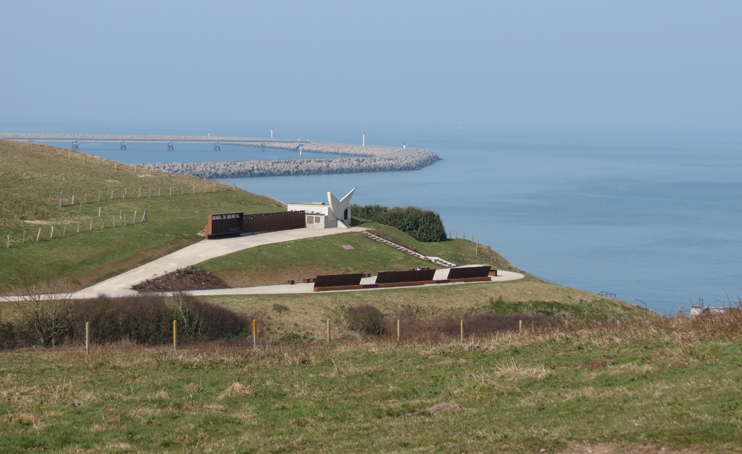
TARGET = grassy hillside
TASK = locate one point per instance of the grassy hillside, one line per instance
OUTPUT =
(32, 176)
(458, 251)
(634, 388)
(276, 263)
(306, 315)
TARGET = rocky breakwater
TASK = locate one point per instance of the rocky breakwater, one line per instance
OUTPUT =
(328, 148)
(391, 159)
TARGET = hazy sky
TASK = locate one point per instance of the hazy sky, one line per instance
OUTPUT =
(531, 63)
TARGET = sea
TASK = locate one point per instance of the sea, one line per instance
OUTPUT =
(653, 217)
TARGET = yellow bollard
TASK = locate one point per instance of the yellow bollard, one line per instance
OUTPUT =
(462, 331)
(397, 330)
(254, 333)
(566, 324)
(175, 335)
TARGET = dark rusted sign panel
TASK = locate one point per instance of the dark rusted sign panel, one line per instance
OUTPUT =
(469, 271)
(268, 222)
(224, 225)
(338, 280)
(388, 277)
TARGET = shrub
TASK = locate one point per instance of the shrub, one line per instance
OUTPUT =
(7, 336)
(143, 319)
(423, 225)
(146, 319)
(280, 308)
(202, 320)
(365, 319)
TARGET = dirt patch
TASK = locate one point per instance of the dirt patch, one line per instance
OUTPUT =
(677, 366)
(189, 278)
(592, 365)
(633, 448)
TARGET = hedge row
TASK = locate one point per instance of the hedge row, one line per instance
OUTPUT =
(146, 319)
(423, 225)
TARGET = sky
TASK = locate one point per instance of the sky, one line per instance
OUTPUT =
(649, 64)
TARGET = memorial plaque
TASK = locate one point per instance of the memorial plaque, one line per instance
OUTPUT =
(224, 225)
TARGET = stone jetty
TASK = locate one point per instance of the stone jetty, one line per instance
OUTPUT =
(370, 159)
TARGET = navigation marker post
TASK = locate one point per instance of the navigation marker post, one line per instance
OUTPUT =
(364, 138)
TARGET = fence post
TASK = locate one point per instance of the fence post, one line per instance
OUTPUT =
(397, 330)
(175, 335)
(87, 338)
(135, 218)
(254, 333)
(520, 325)
(328, 330)
(462, 331)
(8, 242)
(38, 234)
(51, 234)
(566, 324)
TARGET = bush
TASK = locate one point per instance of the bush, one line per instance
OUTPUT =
(206, 321)
(143, 319)
(146, 319)
(365, 319)
(423, 225)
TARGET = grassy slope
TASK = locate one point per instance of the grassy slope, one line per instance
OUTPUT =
(458, 251)
(307, 314)
(276, 263)
(668, 384)
(31, 178)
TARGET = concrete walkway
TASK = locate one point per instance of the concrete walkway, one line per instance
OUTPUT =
(196, 253)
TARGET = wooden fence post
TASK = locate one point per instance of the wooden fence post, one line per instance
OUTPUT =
(175, 335)
(254, 333)
(51, 234)
(8, 242)
(61, 198)
(38, 234)
(462, 331)
(328, 331)
(87, 338)
(397, 330)
(520, 325)
(73, 200)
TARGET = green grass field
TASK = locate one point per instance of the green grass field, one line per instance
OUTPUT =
(31, 179)
(633, 388)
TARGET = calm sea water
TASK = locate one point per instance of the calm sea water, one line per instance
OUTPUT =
(652, 218)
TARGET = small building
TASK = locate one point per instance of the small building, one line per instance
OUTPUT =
(697, 311)
(333, 214)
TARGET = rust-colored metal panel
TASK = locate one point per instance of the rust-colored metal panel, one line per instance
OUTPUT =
(469, 271)
(337, 280)
(224, 225)
(268, 222)
(388, 277)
